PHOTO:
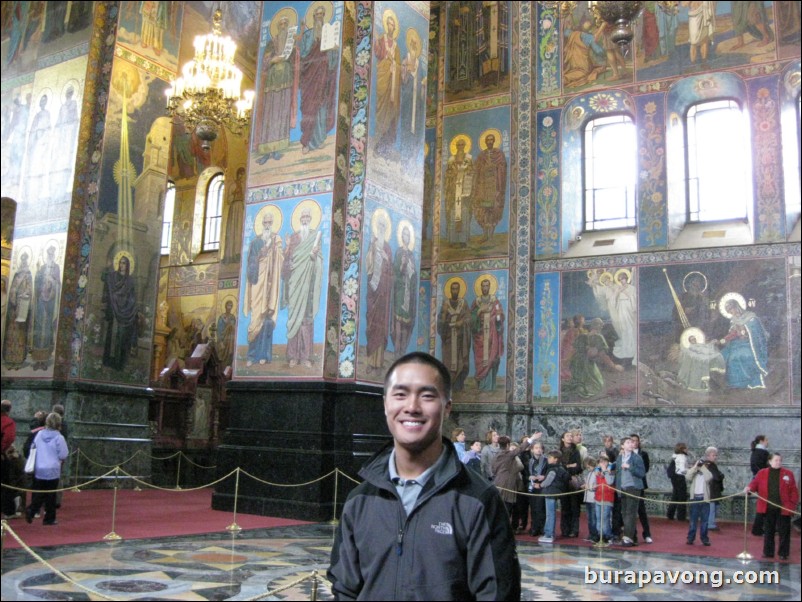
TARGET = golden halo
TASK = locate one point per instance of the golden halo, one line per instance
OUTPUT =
(625, 271)
(452, 146)
(44, 92)
(278, 218)
(381, 214)
(606, 278)
(386, 15)
(495, 132)
(131, 261)
(477, 286)
(313, 206)
(691, 332)
(26, 250)
(722, 304)
(309, 18)
(225, 300)
(414, 36)
(405, 223)
(292, 18)
(691, 273)
(463, 288)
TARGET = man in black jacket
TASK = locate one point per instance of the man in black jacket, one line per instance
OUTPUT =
(642, 516)
(422, 526)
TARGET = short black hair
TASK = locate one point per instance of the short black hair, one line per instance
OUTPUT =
(419, 357)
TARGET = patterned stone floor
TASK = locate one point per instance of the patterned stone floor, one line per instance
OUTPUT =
(220, 566)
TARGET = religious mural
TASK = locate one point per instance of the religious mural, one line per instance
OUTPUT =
(32, 31)
(284, 276)
(471, 333)
(40, 140)
(126, 247)
(700, 36)
(398, 98)
(429, 192)
(474, 220)
(599, 336)
(389, 292)
(152, 30)
(295, 110)
(477, 49)
(32, 306)
(714, 333)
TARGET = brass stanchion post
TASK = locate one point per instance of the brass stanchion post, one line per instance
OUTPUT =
(178, 472)
(75, 487)
(313, 598)
(234, 527)
(745, 555)
(334, 520)
(112, 536)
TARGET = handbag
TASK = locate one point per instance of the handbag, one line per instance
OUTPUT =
(30, 465)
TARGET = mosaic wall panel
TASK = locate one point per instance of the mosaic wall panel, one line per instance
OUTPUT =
(547, 365)
(389, 291)
(471, 333)
(547, 50)
(547, 207)
(31, 306)
(294, 119)
(599, 336)
(284, 278)
(423, 340)
(152, 31)
(42, 33)
(125, 253)
(476, 192)
(398, 99)
(477, 49)
(652, 187)
(795, 324)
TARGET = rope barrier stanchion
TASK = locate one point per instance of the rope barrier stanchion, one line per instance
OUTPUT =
(112, 536)
(178, 472)
(234, 527)
(745, 555)
(76, 487)
(334, 522)
(313, 597)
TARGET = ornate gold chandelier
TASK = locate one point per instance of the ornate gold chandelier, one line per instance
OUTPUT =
(619, 15)
(207, 95)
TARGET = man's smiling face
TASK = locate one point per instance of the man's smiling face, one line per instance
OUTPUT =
(415, 404)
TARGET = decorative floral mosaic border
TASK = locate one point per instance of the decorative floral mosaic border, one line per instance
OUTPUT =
(286, 190)
(349, 297)
(764, 104)
(69, 345)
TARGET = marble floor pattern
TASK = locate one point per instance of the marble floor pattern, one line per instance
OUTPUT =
(221, 566)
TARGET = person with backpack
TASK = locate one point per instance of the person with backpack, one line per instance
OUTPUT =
(675, 471)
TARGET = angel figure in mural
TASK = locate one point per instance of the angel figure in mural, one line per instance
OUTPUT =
(379, 272)
(47, 288)
(745, 346)
(38, 164)
(388, 85)
(318, 81)
(459, 185)
(19, 313)
(489, 187)
(405, 290)
(454, 328)
(413, 97)
(620, 299)
(64, 146)
(302, 273)
(280, 73)
(263, 273)
(487, 328)
(119, 300)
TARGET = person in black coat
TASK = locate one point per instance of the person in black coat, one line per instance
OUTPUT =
(757, 462)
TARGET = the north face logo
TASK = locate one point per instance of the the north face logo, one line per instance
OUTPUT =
(443, 529)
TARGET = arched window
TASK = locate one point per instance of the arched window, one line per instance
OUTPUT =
(718, 161)
(167, 223)
(610, 156)
(213, 215)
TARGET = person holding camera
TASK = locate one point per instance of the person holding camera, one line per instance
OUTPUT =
(698, 478)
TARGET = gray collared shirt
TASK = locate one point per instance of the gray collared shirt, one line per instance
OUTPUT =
(409, 489)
